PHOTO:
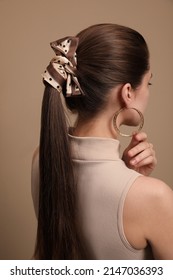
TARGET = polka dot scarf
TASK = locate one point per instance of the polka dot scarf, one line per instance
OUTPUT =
(62, 67)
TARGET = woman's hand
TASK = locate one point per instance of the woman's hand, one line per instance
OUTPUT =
(140, 155)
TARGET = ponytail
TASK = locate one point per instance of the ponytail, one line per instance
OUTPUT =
(84, 69)
(57, 233)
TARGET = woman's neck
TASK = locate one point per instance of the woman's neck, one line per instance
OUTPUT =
(99, 126)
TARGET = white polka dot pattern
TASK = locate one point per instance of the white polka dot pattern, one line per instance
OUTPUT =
(62, 68)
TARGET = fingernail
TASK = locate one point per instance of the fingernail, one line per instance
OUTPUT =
(134, 161)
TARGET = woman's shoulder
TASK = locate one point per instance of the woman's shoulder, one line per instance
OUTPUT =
(149, 193)
(35, 167)
(148, 211)
(35, 155)
(150, 186)
(151, 190)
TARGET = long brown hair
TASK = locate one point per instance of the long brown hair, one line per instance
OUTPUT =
(107, 55)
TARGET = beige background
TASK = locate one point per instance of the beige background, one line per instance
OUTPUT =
(27, 27)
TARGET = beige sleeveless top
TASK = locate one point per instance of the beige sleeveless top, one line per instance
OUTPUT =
(103, 181)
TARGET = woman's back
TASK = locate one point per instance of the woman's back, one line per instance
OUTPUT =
(89, 200)
(103, 180)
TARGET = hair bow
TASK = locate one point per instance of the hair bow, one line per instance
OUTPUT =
(62, 67)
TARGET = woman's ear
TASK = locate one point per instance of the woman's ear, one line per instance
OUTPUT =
(127, 94)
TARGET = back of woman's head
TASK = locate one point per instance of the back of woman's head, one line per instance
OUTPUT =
(107, 55)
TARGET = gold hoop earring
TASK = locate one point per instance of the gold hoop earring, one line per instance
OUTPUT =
(115, 118)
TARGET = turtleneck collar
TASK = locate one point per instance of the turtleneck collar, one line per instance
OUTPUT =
(94, 148)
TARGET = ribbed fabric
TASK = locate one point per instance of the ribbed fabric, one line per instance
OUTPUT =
(103, 180)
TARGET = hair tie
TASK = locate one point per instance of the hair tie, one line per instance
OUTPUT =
(62, 67)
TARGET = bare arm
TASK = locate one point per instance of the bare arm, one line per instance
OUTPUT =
(148, 217)
(159, 228)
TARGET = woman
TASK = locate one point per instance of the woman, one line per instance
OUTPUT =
(92, 204)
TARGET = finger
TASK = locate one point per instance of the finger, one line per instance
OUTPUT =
(139, 148)
(148, 161)
(140, 136)
(136, 138)
(143, 154)
(134, 141)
